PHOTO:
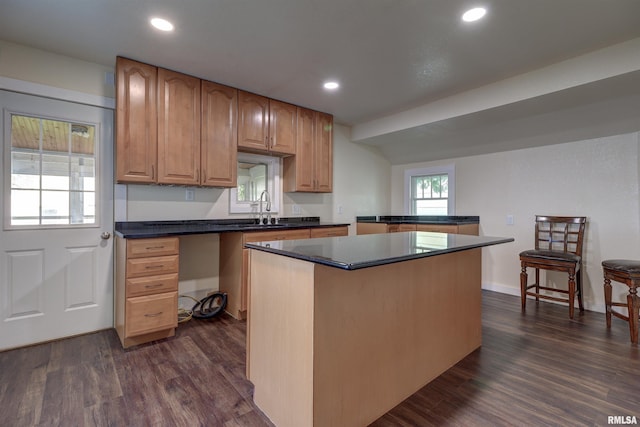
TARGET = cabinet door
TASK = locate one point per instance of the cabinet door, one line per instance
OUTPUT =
(253, 121)
(330, 232)
(219, 143)
(136, 122)
(298, 170)
(323, 158)
(282, 127)
(178, 128)
(438, 228)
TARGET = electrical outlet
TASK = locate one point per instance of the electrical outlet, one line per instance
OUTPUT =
(296, 209)
(509, 219)
(340, 210)
(189, 195)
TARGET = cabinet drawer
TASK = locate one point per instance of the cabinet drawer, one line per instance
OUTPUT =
(151, 313)
(152, 285)
(438, 228)
(138, 267)
(261, 236)
(329, 232)
(140, 248)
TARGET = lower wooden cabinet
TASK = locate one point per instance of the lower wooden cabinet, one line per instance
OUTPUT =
(234, 260)
(146, 295)
(378, 227)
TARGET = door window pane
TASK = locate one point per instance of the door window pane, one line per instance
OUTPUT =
(53, 167)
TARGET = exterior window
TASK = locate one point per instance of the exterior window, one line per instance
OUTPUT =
(429, 194)
(53, 173)
(430, 191)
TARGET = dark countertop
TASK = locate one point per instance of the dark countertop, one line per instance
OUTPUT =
(419, 219)
(148, 229)
(369, 250)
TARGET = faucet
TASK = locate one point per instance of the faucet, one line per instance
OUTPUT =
(267, 198)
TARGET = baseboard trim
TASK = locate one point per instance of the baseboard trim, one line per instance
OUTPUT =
(597, 307)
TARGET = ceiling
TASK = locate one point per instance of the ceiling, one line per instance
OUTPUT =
(415, 80)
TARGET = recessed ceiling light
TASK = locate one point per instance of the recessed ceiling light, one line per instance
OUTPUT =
(331, 85)
(474, 14)
(162, 24)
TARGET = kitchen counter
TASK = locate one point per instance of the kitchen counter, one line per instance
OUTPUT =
(341, 330)
(419, 219)
(150, 229)
(354, 252)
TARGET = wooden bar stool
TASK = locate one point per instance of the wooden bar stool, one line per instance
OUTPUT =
(627, 272)
(558, 247)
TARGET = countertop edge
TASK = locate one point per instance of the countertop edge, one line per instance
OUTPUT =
(265, 247)
(141, 233)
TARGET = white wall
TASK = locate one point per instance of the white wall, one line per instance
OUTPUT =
(40, 67)
(596, 178)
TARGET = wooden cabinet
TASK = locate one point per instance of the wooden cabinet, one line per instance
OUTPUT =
(323, 153)
(136, 121)
(311, 169)
(173, 128)
(471, 229)
(398, 228)
(178, 128)
(377, 228)
(219, 137)
(266, 125)
(329, 232)
(234, 260)
(146, 303)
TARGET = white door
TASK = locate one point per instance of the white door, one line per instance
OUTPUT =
(56, 250)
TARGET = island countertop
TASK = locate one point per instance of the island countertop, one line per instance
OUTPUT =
(356, 252)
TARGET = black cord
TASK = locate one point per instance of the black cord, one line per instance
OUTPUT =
(203, 311)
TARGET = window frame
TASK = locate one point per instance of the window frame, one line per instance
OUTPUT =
(274, 186)
(6, 163)
(448, 170)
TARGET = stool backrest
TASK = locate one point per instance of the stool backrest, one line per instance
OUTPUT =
(560, 233)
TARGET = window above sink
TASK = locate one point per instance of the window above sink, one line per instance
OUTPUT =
(256, 173)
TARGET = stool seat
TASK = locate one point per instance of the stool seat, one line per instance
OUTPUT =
(623, 265)
(551, 255)
(628, 272)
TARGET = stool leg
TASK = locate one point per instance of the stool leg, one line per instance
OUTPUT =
(523, 287)
(633, 303)
(579, 290)
(537, 285)
(572, 293)
(607, 300)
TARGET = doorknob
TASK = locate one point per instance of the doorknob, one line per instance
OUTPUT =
(105, 235)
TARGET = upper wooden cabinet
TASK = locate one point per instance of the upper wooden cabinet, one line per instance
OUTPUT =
(311, 170)
(173, 128)
(178, 128)
(136, 122)
(266, 125)
(218, 152)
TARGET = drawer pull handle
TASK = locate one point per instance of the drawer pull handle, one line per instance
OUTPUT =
(153, 314)
(154, 247)
(157, 285)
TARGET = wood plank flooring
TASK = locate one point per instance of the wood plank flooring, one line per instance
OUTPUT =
(537, 368)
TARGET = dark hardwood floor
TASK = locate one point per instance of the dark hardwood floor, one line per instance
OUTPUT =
(539, 368)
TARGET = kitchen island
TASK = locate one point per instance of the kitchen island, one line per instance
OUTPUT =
(340, 330)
